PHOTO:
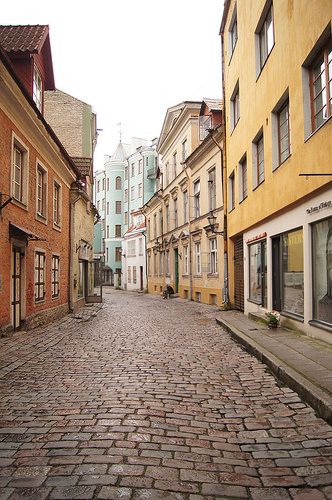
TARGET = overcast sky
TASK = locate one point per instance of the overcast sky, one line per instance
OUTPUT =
(129, 59)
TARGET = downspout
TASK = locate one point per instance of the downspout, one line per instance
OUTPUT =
(190, 242)
(224, 192)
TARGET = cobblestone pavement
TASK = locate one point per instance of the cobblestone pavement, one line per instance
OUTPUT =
(151, 400)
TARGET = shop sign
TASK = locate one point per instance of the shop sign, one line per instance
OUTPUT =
(255, 238)
(321, 206)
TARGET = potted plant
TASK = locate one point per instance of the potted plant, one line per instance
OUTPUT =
(272, 319)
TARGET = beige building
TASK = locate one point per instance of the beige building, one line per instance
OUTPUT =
(183, 252)
(75, 123)
(277, 93)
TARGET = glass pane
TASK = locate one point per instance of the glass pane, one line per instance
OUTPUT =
(255, 273)
(269, 30)
(319, 84)
(262, 46)
(320, 117)
(319, 67)
(322, 270)
(284, 145)
(292, 269)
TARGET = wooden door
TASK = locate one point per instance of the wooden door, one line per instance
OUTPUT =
(238, 274)
(16, 287)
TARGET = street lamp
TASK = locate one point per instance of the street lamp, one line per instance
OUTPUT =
(212, 224)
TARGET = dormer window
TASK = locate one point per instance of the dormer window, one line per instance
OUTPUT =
(37, 89)
(205, 124)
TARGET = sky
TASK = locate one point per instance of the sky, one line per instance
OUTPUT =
(129, 59)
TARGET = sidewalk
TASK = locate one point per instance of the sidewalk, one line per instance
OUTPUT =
(301, 362)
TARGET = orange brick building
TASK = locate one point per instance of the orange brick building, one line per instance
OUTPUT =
(35, 180)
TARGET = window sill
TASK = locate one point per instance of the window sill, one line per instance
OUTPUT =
(253, 301)
(41, 218)
(39, 302)
(282, 163)
(198, 276)
(243, 199)
(56, 227)
(265, 62)
(290, 315)
(213, 275)
(20, 204)
(257, 186)
(231, 56)
(319, 324)
(231, 210)
(56, 298)
(317, 129)
(234, 127)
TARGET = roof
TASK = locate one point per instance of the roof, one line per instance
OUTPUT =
(28, 38)
(120, 154)
(213, 104)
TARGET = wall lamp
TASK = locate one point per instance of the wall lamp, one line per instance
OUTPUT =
(159, 246)
(212, 224)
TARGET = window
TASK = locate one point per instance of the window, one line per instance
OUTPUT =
(233, 33)
(161, 270)
(108, 184)
(167, 217)
(155, 225)
(146, 161)
(175, 205)
(118, 183)
(258, 160)
(243, 178)
(118, 230)
(322, 271)
(126, 195)
(184, 149)
(98, 205)
(126, 172)
(288, 286)
(108, 208)
(198, 268)
(185, 260)
(134, 275)
(174, 166)
(132, 192)
(133, 170)
(197, 188)
(235, 106)
(56, 203)
(161, 222)
(140, 166)
(265, 36)
(37, 89)
(140, 190)
(140, 246)
(126, 218)
(167, 263)
(257, 273)
(39, 276)
(118, 207)
(321, 86)
(98, 186)
(155, 264)
(185, 207)
(149, 230)
(81, 279)
(103, 204)
(129, 274)
(283, 133)
(118, 254)
(104, 184)
(20, 172)
(231, 188)
(131, 248)
(212, 188)
(205, 125)
(213, 264)
(41, 191)
(107, 231)
(55, 276)
(167, 173)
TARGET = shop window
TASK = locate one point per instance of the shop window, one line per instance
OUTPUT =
(39, 276)
(322, 271)
(55, 275)
(257, 273)
(287, 262)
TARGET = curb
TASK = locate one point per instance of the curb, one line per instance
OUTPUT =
(319, 400)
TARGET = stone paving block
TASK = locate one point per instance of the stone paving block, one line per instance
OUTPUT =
(115, 493)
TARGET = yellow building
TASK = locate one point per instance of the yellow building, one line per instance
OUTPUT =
(183, 252)
(277, 87)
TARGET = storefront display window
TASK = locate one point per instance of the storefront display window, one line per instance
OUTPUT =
(257, 273)
(322, 270)
(292, 272)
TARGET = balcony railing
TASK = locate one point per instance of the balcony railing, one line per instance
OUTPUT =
(152, 173)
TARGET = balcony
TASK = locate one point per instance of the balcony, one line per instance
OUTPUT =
(152, 173)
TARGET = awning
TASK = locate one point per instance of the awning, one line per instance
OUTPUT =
(22, 233)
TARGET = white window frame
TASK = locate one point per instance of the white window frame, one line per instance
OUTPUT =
(185, 260)
(235, 106)
(198, 263)
(232, 33)
(37, 92)
(197, 195)
(213, 256)
(41, 191)
(39, 275)
(57, 205)
(262, 33)
(21, 197)
(212, 191)
(55, 278)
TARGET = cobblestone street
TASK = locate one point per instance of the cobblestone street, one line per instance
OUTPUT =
(150, 399)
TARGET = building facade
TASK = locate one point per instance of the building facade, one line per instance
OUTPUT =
(75, 124)
(134, 255)
(278, 129)
(183, 251)
(37, 174)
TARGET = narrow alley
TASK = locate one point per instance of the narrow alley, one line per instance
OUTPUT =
(151, 399)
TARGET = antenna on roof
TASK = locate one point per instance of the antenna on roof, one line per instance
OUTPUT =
(120, 130)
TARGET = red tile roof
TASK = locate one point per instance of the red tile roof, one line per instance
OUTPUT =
(28, 38)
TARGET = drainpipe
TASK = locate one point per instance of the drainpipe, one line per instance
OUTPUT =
(224, 192)
(190, 242)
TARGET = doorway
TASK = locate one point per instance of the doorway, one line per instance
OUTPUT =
(176, 270)
(141, 277)
(16, 287)
(238, 274)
